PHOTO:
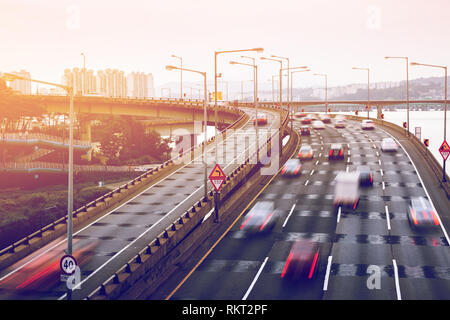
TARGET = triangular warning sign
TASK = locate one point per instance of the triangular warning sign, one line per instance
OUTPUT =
(217, 177)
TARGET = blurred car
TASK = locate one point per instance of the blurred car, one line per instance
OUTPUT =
(299, 115)
(421, 215)
(317, 124)
(306, 152)
(261, 218)
(43, 273)
(291, 168)
(388, 145)
(306, 120)
(367, 124)
(340, 123)
(325, 118)
(365, 175)
(260, 120)
(305, 131)
(346, 189)
(303, 261)
(336, 152)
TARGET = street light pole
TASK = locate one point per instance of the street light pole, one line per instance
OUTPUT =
(444, 178)
(216, 53)
(205, 120)
(407, 87)
(255, 97)
(69, 90)
(181, 75)
(368, 88)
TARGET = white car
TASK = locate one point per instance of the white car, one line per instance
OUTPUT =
(367, 124)
(317, 124)
(340, 123)
(389, 145)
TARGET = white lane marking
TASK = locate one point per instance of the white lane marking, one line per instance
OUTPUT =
(306, 183)
(381, 172)
(255, 279)
(348, 160)
(374, 146)
(424, 188)
(378, 154)
(349, 152)
(397, 283)
(312, 172)
(384, 186)
(346, 169)
(317, 162)
(379, 161)
(320, 155)
(388, 219)
(289, 215)
(327, 274)
(339, 214)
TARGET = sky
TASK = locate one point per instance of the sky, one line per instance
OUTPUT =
(47, 36)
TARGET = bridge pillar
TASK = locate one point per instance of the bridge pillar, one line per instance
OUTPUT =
(85, 127)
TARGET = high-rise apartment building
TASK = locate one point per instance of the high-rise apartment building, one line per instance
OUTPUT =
(21, 86)
(140, 85)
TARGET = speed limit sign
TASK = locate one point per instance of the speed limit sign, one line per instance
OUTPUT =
(68, 264)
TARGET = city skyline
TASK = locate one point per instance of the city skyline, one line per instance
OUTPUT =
(348, 33)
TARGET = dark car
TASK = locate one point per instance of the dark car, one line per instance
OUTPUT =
(261, 218)
(365, 175)
(421, 215)
(291, 168)
(303, 261)
(305, 131)
(336, 152)
(306, 120)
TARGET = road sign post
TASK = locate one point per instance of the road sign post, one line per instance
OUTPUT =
(444, 150)
(68, 265)
(217, 178)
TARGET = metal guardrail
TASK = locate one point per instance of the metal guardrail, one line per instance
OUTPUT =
(42, 138)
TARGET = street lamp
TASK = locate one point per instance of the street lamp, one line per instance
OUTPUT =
(205, 119)
(444, 179)
(407, 87)
(326, 88)
(69, 90)
(287, 59)
(216, 53)
(280, 75)
(292, 80)
(181, 75)
(368, 87)
(255, 96)
(289, 105)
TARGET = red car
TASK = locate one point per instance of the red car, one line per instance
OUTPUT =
(303, 261)
(261, 119)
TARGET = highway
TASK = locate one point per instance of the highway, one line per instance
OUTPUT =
(375, 236)
(107, 243)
